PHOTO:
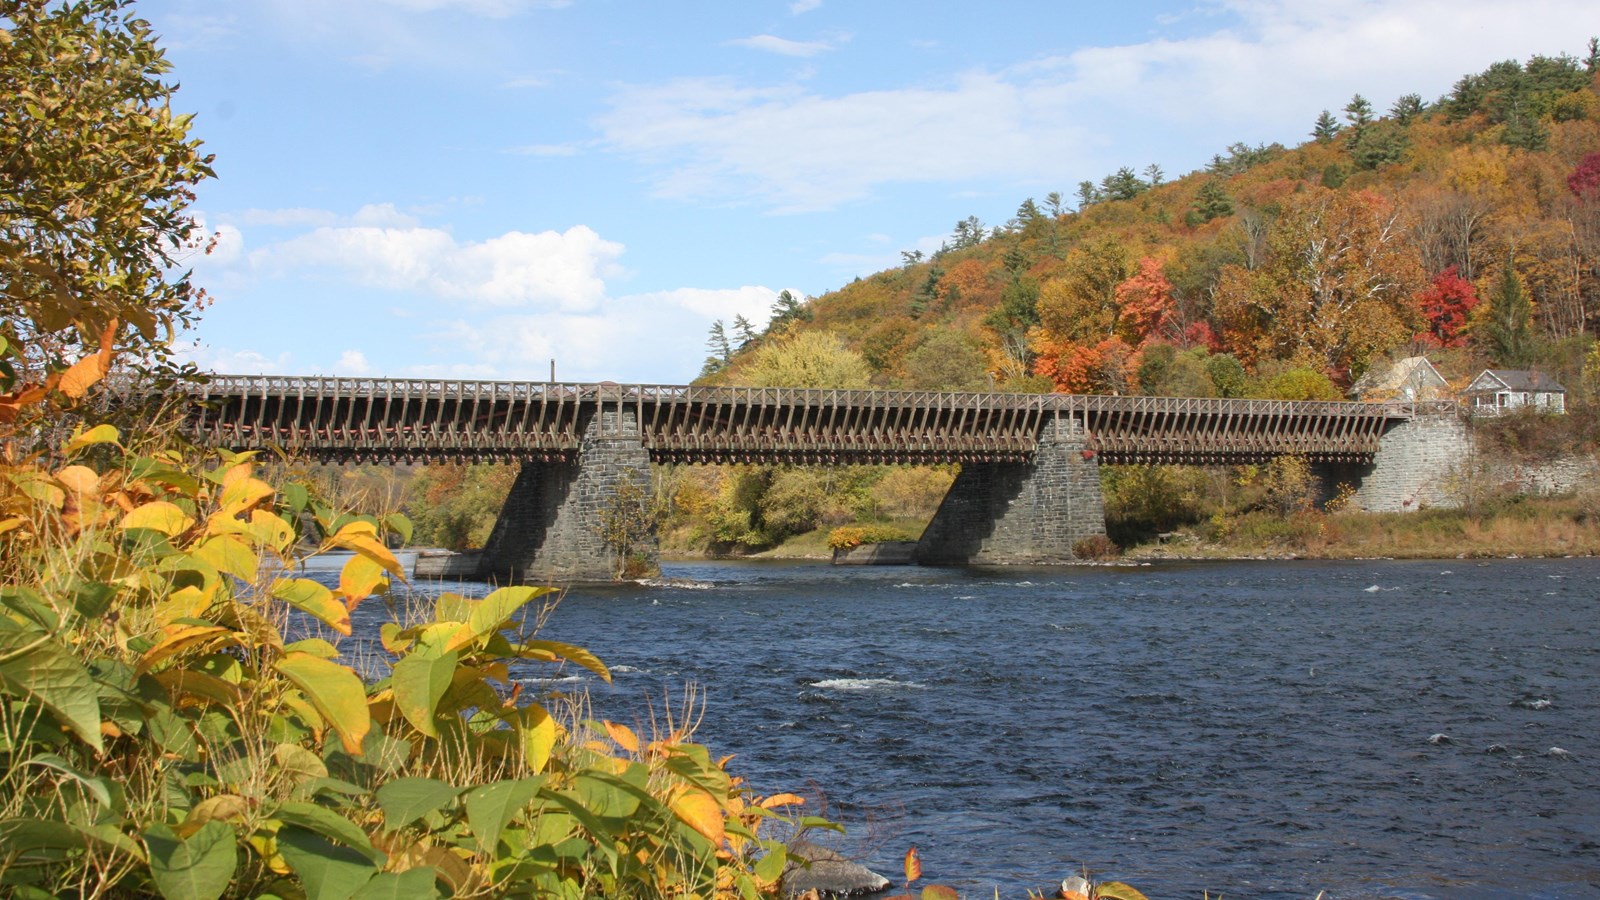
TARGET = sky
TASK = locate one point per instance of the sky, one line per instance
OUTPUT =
(472, 188)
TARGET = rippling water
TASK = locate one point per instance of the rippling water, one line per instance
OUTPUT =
(1259, 729)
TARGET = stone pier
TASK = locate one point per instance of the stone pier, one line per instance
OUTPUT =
(1020, 513)
(550, 530)
(1422, 462)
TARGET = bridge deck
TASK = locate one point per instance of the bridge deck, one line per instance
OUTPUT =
(371, 419)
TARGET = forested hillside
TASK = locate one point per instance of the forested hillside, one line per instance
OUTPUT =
(1467, 228)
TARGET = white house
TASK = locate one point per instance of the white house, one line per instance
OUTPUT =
(1498, 391)
(1410, 379)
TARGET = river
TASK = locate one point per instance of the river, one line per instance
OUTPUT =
(1255, 729)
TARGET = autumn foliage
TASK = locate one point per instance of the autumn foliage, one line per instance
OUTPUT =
(1330, 257)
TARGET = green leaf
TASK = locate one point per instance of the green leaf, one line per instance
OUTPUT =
(315, 600)
(197, 868)
(412, 884)
(315, 646)
(33, 665)
(97, 788)
(91, 598)
(400, 525)
(606, 797)
(404, 800)
(419, 684)
(490, 807)
(99, 434)
(28, 602)
(329, 871)
(329, 824)
(335, 691)
(772, 863)
(490, 613)
(294, 496)
(24, 835)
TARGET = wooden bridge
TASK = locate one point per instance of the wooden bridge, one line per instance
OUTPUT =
(1027, 493)
(397, 420)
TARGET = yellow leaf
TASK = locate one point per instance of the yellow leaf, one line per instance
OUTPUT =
(777, 800)
(369, 548)
(336, 692)
(188, 601)
(314, 600)
(358, 579)
(221, 808)
(99, 434)
(10, 523)
(1116, 890)
(159, 516)
(177, 638)
(79, 480)
(238, 470)
(355, 527)
(230, 556)
(83, 374)
(700, 811)
(551, 650)
(538, 736)
(269, 530)
(244, 493)
(200, 684)
(913, 865)
(624, 736)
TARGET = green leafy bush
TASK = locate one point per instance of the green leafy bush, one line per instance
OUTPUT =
(178, 717)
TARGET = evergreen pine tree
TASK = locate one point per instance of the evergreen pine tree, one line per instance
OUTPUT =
(1326, 127)
(1510, 329)
(1358, 111)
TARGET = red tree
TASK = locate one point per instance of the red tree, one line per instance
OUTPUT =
(1144, 303)
(1584, 182)
(1445, 305)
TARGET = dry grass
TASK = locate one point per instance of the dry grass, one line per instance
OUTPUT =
(1527, 526)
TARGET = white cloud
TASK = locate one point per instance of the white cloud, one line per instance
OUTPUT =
(1260, 72)
(383, 215)
(801, 7)
(546, 150)
(236, 362)
(566, 270)
(352, 362)
(773, 44)
(292, 217)
(798, 151)
(657, 337)
(493, 9)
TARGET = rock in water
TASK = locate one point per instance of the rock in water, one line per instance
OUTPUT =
(1075, 887)
(814, 868)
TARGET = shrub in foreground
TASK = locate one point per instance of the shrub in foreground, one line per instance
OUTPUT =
(178, 718)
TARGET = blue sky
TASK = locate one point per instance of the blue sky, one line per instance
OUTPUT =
(468, 188)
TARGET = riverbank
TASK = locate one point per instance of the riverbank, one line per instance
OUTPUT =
(1528, 527)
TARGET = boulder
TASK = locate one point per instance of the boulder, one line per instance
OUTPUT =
(819, 869)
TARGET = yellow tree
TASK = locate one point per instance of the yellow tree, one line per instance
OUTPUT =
(96, 176)
(1080, 305)
(1336, 287)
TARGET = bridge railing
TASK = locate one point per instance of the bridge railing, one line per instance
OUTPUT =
(435, 418)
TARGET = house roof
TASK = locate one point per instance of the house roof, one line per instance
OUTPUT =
(1516, 380)
(1413, 371)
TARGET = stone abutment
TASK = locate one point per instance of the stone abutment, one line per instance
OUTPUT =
(553, 528)
(1028, 513)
